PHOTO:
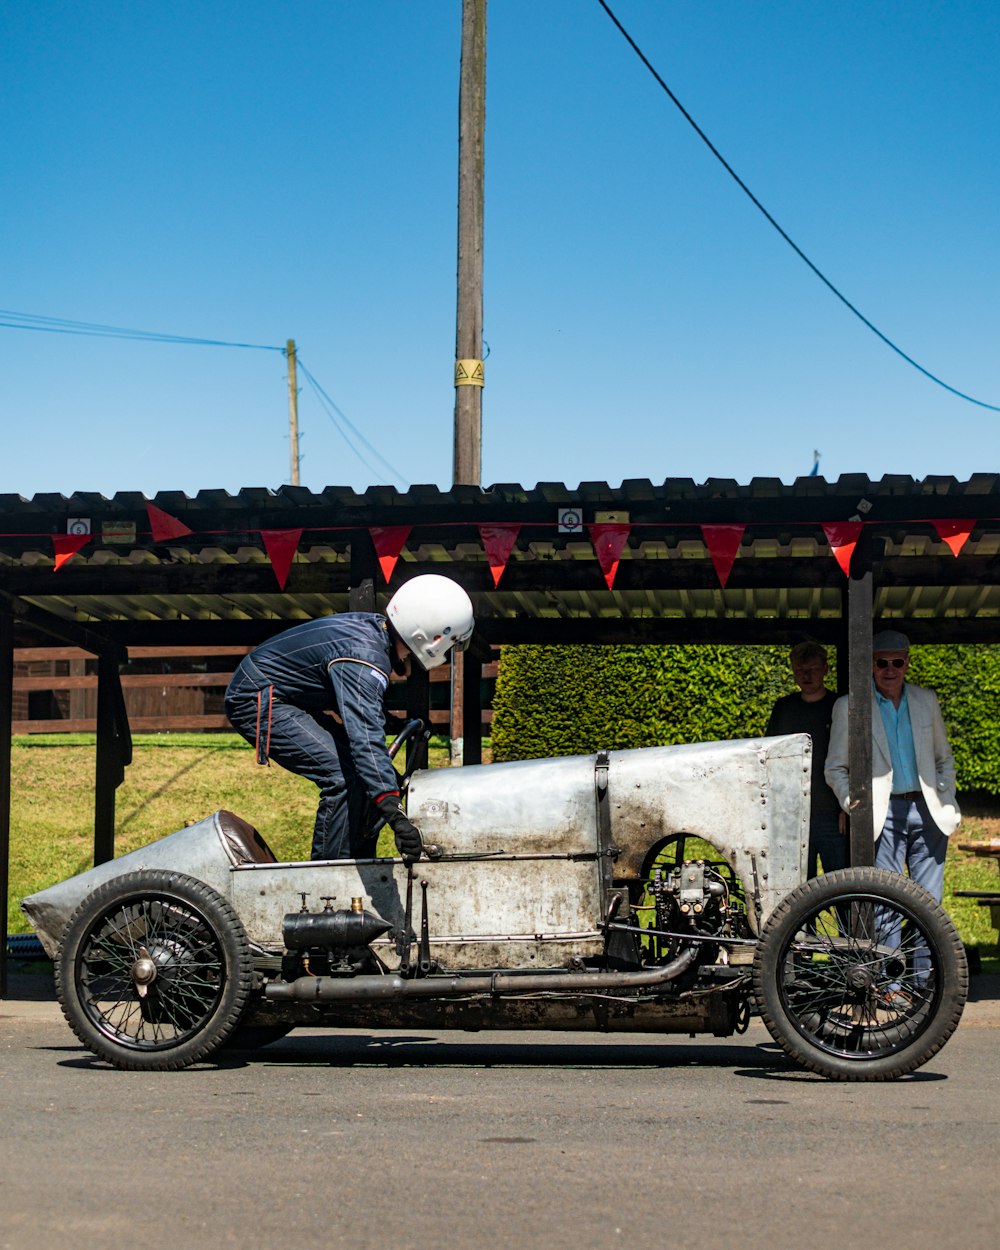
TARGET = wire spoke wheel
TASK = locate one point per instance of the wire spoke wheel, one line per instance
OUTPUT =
(154, 971)
(860, 975)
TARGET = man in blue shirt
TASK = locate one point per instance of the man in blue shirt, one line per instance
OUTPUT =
(913, 784)
(313, 700)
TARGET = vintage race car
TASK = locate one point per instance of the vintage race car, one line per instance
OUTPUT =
(658, 890)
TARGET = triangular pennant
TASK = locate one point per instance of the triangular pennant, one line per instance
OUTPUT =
(498, 542)
(389, 541)
(281, 546)
(723, 542)
(843, 538)
(609, 541)
(954, 533)
(67, 545)
(165, 526)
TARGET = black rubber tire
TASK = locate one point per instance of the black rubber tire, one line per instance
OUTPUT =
(203, 971)
(852, 1006)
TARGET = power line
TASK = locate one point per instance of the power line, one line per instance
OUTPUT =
(333, 412)
(791, 242)
(58, 325)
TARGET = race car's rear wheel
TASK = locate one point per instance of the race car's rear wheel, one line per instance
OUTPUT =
(154, 971)
(859, 975)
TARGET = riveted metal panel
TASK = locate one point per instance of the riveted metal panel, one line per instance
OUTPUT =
(198, 850)
(525, 806)
(509, 912)
(749, 798)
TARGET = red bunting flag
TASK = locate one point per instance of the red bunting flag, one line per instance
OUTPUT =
(609, 541)
(281, 546)
(843, 538)
(954, 533)
(389, 541)
(498, 542)
(723, 542)
(165, 526)
(67, 545)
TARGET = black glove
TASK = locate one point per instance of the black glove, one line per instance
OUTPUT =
(408, 840)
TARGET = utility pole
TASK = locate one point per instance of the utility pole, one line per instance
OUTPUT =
(471, 187)
(293, 411)
(469, 377)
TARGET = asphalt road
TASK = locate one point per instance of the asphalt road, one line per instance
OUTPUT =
(452, 1141)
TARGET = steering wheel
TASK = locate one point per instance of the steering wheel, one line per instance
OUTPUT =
(413, 729)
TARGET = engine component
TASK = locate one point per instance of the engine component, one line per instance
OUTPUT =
(333, 929)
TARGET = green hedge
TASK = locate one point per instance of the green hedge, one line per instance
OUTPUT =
(574, 700)
(967, 681)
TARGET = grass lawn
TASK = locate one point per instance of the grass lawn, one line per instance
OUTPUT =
(173, 780)
(176, 779)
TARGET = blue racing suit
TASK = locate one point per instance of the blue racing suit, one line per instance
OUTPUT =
(279, 699)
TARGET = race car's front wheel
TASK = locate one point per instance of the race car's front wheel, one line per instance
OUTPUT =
(860, 975)
(154, 971)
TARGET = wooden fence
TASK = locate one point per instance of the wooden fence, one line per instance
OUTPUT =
(55, 689)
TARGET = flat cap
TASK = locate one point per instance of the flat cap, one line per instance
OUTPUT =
(890, 640)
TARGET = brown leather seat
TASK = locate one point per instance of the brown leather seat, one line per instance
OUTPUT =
(243, 843)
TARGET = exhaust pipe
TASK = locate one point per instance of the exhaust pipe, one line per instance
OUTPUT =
(374, 988)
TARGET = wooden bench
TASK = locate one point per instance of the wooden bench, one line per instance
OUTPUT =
(984, 898)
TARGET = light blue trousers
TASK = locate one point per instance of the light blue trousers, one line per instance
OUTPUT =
(911, 840)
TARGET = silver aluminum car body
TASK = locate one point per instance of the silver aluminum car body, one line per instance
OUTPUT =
(530, 848)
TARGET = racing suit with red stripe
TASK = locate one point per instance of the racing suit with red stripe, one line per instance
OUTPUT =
(279, 699)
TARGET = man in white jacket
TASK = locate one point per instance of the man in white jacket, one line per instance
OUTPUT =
(913, 784)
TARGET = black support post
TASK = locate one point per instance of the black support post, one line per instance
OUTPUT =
(6, 722)
(418, 707)
(860, 600)
(114, 751)
(472, 704)
(361, 597)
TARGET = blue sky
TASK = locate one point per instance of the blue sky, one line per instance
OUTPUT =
(254, 172)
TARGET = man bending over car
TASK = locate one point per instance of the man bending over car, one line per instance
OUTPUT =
(313, 700)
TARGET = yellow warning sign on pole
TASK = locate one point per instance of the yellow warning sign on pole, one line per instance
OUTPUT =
(469, 373)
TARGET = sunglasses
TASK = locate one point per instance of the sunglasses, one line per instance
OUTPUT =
(882, 662)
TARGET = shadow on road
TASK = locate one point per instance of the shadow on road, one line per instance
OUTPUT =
(331, 1050)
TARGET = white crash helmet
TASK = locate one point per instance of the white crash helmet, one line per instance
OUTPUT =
(431, 614)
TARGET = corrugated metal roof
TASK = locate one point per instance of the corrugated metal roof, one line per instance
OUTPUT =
(784, 577)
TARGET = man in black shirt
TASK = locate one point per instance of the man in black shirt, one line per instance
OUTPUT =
(810, 711)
